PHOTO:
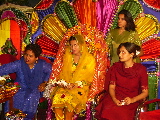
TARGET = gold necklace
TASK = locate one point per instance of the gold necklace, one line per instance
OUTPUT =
(74, 63)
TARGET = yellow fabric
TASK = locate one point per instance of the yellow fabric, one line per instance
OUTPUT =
(146, 26)
(4, 32)
(114, 39)
(53, 27)
(75, 99)
(35, 22)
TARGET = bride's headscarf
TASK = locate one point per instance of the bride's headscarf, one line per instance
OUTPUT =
(85, 68)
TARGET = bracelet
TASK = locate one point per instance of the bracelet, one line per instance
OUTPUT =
(80, 84)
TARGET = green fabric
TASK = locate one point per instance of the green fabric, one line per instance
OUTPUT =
(43, 104)
(114, 39)
(152, 80)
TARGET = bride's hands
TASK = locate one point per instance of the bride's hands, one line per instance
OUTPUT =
(71, 86)
(66, 85)
(61, 85)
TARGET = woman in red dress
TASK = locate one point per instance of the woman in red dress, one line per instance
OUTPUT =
(128, 85)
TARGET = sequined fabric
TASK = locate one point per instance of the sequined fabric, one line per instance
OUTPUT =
(26, 99)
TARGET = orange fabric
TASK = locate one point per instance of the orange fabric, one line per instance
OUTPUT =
(86, 11)
(15, 36)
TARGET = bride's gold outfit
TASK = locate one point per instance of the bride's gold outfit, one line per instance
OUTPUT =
(75, 99)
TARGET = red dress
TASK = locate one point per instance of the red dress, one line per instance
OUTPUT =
(129, 83)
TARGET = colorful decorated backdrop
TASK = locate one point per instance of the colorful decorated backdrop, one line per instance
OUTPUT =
(50, 20)
(15, 26)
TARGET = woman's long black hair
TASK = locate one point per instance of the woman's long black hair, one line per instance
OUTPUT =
(129, 20)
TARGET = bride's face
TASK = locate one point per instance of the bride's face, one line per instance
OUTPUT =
(75, 47)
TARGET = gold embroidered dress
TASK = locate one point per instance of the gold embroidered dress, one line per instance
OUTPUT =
(114, 39)
(75, 99)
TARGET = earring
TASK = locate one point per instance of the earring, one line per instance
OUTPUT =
(81, 49)
(36, 61)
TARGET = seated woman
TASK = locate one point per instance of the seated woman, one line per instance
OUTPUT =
(128, 85)
(74, 80)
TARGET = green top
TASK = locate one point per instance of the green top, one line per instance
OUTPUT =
(114, 39)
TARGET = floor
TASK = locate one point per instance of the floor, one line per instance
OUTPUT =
(41, 114)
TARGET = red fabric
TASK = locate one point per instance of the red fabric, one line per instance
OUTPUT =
(151, 101)
(44, 4)
(150, 115)
(153, 3)
(49, 47)
(46, 59)
(151, 49)
(7, 58)
(42, 99)
(24, 29)
(128, 84)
